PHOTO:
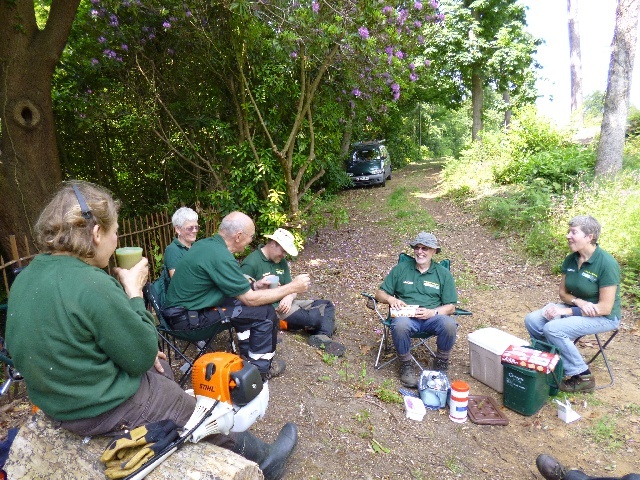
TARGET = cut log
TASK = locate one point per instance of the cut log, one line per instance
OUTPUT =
(42, 450)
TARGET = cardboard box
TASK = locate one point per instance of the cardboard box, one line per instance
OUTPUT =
(485, 350)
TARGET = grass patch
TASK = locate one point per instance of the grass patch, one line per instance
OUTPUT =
(606, 434)
(452, 464)
(404, 213)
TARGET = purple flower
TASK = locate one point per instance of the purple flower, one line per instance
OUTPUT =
(101, 40)
(395, 87)
(396, 96)
(369, 119)
(188, 13)
(356, 92)
(109, 53)
(388, 50)
(420, 39)
(352, 104)
(363, 32)
(413, 77)
(434, 4)
(124, 47)
(94, 13)
(427, 63)
(387, 10)
(412, 67)
(417, 6)
(440, 17)
(113, 20)
(166, 25)
(151, 36)
(170, 51)
(95, 61)
(399, 54)
(315, 6)
(417, 24)
(95, 2)
(293, 54)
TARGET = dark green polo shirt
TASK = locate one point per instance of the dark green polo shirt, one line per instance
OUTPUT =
(430, 289)
(208, 274)
(173, 254)
(601, 270)
(257, 266)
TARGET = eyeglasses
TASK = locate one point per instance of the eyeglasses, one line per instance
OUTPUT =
(417, 248)
(195, 228)
(249, 234)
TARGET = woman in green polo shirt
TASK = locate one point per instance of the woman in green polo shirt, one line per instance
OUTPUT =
(590, 302)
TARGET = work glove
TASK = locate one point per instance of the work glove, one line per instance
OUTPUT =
(129, 451)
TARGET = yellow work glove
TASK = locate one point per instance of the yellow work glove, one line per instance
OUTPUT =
(129, 451)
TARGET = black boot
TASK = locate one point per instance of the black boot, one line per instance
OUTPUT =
(270, 458)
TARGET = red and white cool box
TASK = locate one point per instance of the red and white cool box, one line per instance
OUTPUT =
(527, 357)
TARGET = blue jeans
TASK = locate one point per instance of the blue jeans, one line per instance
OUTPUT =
(561, 332)
(402, 328)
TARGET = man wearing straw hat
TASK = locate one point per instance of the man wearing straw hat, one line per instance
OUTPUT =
(315, 316)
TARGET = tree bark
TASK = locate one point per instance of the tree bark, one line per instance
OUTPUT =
(575, 61)
(476, 104)
(616, 103)
(506, 98)
(29, 163)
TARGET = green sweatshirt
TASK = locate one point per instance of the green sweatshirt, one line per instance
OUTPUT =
(81, 344)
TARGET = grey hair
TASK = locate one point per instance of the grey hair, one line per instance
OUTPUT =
(182, 215)
(233, 223)
(588, 225)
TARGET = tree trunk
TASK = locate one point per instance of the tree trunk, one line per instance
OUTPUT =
(29, 162)
(616, 103)
(575, 62)
(506, 98)
(476, 104)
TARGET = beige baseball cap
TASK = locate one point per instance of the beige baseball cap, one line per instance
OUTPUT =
(286, 241)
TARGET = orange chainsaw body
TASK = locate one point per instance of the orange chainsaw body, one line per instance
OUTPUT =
(211, 375)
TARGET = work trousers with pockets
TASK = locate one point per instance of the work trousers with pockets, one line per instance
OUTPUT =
(315, 316)
(257, 329)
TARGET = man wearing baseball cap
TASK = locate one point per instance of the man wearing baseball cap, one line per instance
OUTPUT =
(315, 316)
(423, 282)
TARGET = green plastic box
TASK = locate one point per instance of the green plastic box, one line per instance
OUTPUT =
(525, 391)
(559, 370)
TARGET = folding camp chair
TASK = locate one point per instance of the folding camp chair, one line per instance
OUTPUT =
(601, 348)
(200, 338)
(422, 338)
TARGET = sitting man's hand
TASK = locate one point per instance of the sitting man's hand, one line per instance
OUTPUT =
(301, 283)
(285, 305)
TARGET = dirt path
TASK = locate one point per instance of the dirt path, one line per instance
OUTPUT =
(347, 432)
(340, 417)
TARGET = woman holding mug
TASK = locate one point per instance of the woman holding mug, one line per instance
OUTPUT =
(84, 341)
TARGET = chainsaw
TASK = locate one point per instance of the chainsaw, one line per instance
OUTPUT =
(230, 397)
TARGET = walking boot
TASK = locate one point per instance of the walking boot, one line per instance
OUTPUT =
(271, 458)
(408, 376)
(550, 468)
(441, 361)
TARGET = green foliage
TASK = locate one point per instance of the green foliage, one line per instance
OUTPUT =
(555, 167)
(386, 393)
(605, 434)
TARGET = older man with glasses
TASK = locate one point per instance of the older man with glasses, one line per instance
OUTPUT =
(209, 283)
(431, 287)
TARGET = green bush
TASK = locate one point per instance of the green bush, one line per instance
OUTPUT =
(557, 167)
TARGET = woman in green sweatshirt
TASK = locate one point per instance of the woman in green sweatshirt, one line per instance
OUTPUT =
(84, 341)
